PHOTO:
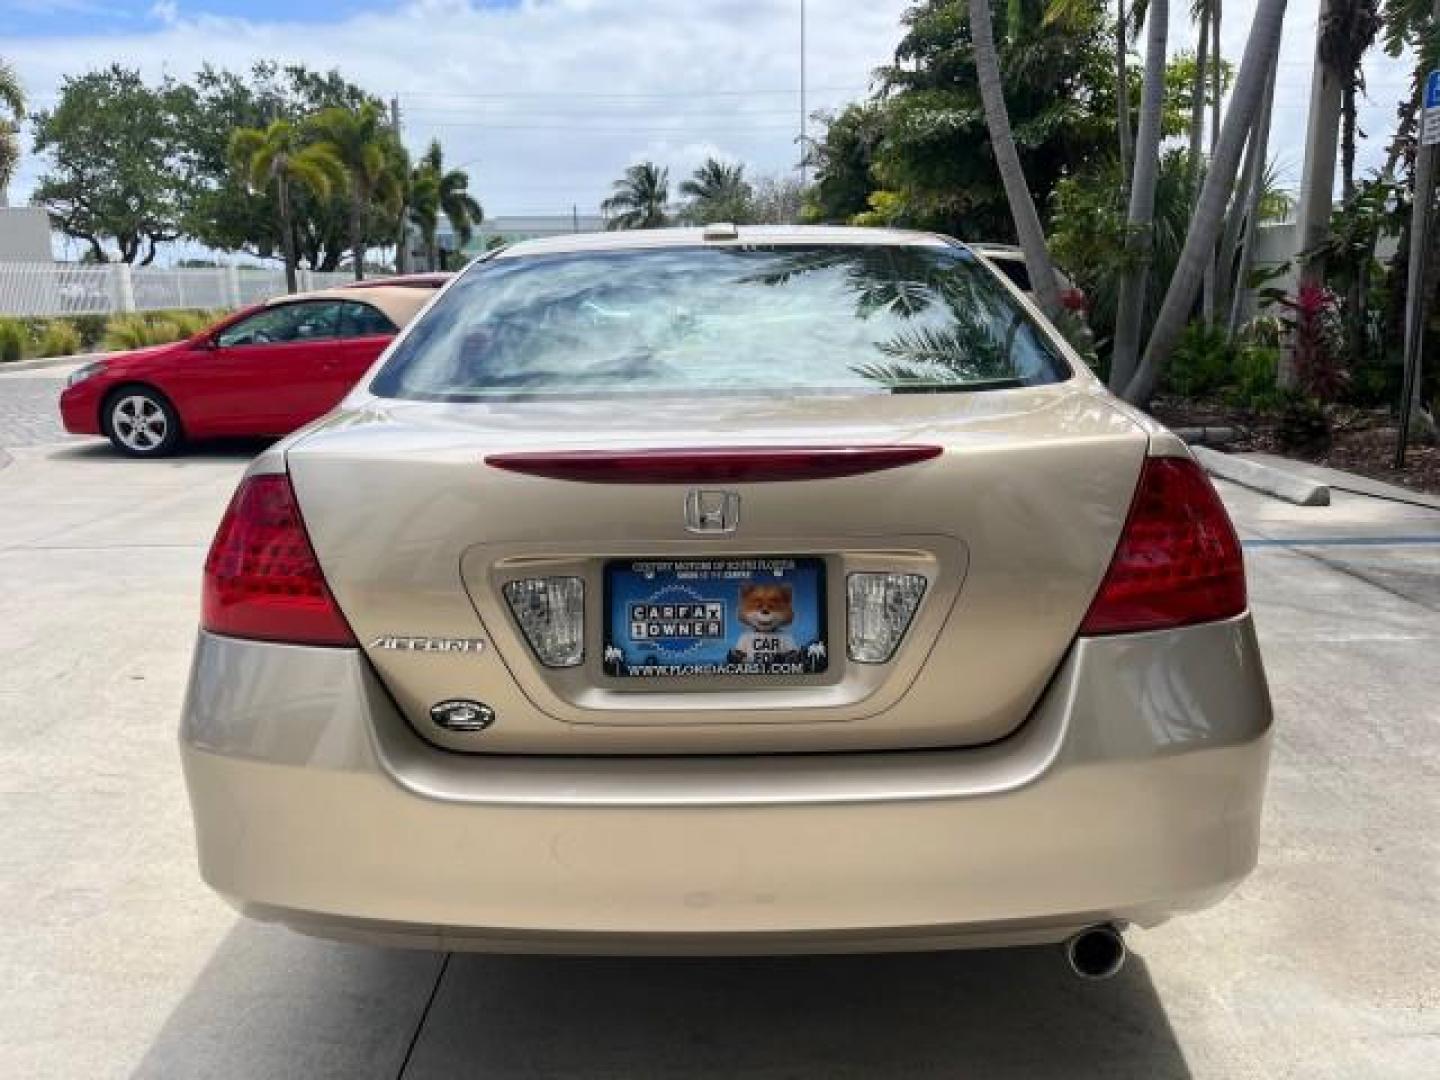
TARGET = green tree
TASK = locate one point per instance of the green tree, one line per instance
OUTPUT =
(361, 140)
(1007, 158)
(12, 100)
(423, 208)
(717, 192)
(222, 211)
(844, 163)
(1139, 221)
(461, 209)
(639, 199)
(115, 173)
(1261, 50)
(1058, 84)
(277, 157)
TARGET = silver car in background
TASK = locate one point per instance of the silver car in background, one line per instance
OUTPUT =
(739, 590)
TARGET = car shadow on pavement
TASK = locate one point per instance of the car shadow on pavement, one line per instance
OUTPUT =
(216, 450)
(274, 1004)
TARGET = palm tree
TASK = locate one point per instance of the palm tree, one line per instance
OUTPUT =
(277, 156)
(1345, 34)
(1122, 87)
(639, 199)
(1007, 159)
(361, 140)
(1261, 50)
(1140, 219)
(423, 208)
(718, 192)
(434, 190)
(12, 100)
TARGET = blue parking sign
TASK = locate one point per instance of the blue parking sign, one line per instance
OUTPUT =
(1432, 90)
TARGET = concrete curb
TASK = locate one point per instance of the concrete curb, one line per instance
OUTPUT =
(1263, 478)
(1208, 436)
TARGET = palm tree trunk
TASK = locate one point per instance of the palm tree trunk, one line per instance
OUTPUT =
(357, 232)
(1347, 141)
(1317, 181)
(287, 234)
(1207, 306)
(1254, 189)
(1255, 68)
(1122, 92)
(402, 241)
(1197, 103)
(1140, 220)
(1007, 159)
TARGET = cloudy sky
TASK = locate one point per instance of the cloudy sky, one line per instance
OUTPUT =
(545, 101)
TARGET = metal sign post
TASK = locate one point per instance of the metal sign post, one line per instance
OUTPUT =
(1415, 279)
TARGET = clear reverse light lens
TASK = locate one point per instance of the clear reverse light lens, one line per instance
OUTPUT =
(551, 612)
(879, 609)
(85, 371)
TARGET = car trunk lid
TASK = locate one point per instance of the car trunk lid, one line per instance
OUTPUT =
(1008, 504)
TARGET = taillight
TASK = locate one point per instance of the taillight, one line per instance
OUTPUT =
(1178, 560)
(262, 579)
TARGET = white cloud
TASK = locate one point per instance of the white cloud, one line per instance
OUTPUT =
(582, 87)
(547, 101)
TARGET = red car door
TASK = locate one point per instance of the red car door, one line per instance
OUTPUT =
(365, 330)
(271, 372)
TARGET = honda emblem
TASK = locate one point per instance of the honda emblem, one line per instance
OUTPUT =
(712, 511)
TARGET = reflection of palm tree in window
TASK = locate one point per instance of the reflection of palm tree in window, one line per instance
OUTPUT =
(974, 344)
(871, 273)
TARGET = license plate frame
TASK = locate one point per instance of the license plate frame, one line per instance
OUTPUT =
(704, 624)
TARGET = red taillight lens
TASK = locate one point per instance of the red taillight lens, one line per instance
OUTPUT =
(1178, 561)
(262, 579)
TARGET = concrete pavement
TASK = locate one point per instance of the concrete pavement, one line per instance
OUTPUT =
(1324, 964)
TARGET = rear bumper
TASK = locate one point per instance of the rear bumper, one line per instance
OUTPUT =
(1133, 793)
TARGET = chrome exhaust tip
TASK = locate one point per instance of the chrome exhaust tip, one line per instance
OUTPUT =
(1097, 952)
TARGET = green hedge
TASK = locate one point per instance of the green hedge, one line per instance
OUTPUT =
(21, 338)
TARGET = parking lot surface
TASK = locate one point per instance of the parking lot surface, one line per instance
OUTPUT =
(119, 962)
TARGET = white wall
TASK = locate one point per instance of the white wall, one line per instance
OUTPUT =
(24, 234)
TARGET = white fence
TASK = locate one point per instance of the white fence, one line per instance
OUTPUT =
(41, 289)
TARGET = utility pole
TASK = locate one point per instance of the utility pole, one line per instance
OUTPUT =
(402, 240)
(804, 149)
(1317, 182)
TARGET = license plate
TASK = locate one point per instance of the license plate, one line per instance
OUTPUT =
(686, 618)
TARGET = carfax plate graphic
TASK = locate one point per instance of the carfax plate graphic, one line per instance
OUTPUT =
(679, 618)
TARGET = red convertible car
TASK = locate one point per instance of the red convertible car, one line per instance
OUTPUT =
(263, 371)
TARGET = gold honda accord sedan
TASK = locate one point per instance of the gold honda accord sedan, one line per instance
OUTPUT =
(727, 591)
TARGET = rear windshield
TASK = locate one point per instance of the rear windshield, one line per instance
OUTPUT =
(721, 320)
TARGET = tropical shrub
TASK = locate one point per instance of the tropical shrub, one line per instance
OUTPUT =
(1313, 321)
(139, 331)
(91, 328)
(59, 338)
(13, 341)
(1203, 362)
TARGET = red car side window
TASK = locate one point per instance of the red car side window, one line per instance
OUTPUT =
(362, 320)
(282, 323)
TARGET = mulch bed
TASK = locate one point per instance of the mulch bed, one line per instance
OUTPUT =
(1364, 441)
